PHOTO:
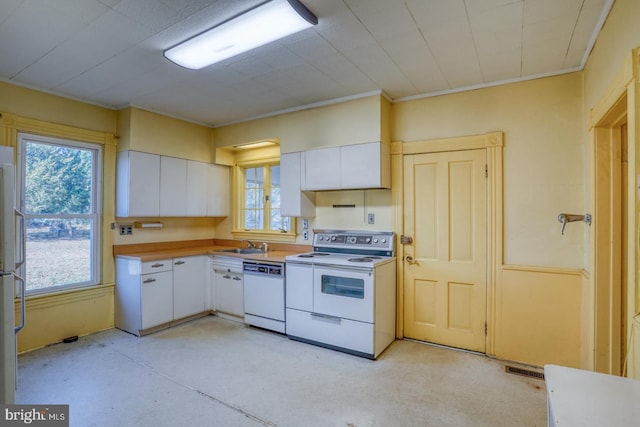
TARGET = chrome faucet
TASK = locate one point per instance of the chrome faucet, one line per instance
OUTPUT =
(250, 244)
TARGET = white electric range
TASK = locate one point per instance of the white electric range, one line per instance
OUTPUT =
(343, 294)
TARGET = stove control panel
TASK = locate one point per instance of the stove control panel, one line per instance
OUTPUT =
(380, 240)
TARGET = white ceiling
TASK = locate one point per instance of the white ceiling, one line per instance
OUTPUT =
(109, 52)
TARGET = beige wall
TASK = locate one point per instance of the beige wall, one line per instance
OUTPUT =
(149, 132)
(620, 34)
(543, 157)
(54, 109)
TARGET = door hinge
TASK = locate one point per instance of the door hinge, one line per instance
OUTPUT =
(485, 329)
(486, 170)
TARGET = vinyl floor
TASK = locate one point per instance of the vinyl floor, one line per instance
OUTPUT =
(216, 372)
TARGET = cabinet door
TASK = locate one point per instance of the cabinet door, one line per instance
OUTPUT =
(230, 293)
(156, 298)
(173, 185)
(197, 188)
(293, 201)
(322, 169)
(138, 184)
(218, 191)
(365, 166)
(299, 286)
(190, 278)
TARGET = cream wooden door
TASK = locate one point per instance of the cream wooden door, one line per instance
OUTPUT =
(445, 211)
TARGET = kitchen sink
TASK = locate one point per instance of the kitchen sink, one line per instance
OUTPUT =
(243, 251)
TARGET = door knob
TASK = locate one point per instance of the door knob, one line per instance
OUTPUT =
(410, 259)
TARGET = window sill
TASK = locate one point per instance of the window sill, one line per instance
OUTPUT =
(269, 236)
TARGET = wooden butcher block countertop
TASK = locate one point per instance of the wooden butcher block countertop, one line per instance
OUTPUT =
(163, 250)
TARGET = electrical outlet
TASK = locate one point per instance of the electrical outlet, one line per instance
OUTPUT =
(305, 224)
(126, 229)
(305, 235)
(371, 218)
(123, 230)
(129, 229)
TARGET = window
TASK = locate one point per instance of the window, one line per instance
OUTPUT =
(60, 197)
(261, 208)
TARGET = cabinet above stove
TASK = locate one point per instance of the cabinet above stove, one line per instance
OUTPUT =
(348, 167)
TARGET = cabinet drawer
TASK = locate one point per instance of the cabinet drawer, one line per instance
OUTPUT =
(332, 331)
(156, 266)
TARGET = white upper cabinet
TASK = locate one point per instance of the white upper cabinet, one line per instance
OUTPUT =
(173, 181)
(349, 167)
(293, 201)
(322, 168)
(150, 185)
(197, 188)
(138, 190)
(365, 166)
(218, 190)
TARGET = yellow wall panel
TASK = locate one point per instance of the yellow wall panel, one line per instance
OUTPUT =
(52, 318)
(539, 316)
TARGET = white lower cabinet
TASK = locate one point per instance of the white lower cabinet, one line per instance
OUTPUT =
(156, 299)
(230, 293)
(153, 294)
(190, 280)
(228, 286)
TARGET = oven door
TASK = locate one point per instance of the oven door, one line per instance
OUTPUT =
(343, 292)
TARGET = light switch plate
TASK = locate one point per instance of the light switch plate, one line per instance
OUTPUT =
(371, 219)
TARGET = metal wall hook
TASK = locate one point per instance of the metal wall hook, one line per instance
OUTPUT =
(564, 218)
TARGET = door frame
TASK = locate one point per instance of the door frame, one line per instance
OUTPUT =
(610, 307)
(493, 143)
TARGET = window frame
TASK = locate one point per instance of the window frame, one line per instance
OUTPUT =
(238, 231)
(95, 214)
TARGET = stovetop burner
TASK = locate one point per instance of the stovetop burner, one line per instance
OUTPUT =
(314, 254)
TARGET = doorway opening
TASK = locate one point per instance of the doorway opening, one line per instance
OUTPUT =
(611, 203)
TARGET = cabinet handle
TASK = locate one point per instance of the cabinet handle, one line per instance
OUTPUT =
(178, 263)
(156, 265)
(149, 280)
(226, 276)
(236, 278)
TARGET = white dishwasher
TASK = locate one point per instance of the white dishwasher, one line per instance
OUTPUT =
(264, 294)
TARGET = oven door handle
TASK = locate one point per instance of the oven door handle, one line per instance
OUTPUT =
(326, 318)
(344, 268)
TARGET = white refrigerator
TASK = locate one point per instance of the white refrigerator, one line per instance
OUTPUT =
(12, 285)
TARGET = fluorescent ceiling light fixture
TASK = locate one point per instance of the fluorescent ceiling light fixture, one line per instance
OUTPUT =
(263, 24)
(259, 144)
